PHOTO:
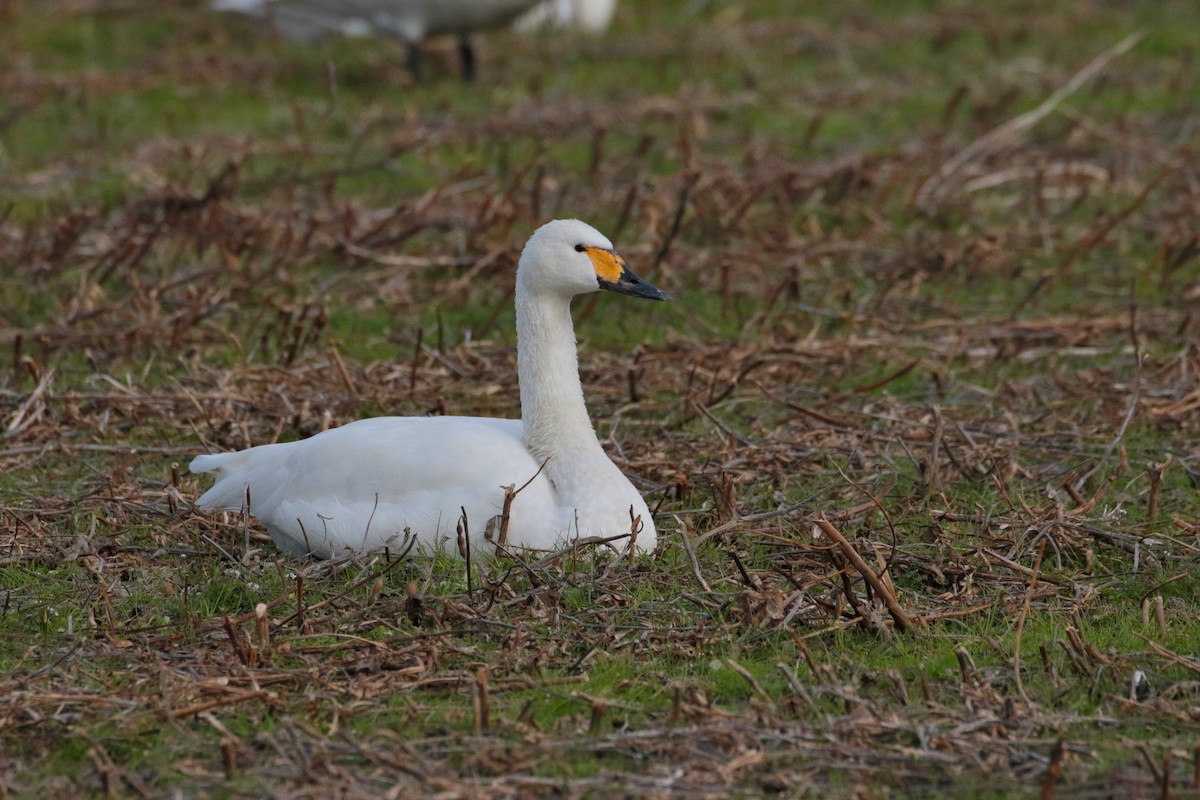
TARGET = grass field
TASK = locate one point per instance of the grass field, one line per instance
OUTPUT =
(920, 425)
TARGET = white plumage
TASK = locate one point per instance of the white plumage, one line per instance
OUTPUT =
(361, 487)
(590, 16)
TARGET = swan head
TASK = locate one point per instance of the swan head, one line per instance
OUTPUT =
(569, 257)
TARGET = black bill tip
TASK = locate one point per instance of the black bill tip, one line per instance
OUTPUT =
(630, 284)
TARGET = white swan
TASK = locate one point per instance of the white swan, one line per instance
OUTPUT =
(410, 20)
(362, 486)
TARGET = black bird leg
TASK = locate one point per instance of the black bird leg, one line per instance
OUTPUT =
(414, 60)
(467, 53)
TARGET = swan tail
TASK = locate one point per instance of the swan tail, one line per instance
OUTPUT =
(227, 494)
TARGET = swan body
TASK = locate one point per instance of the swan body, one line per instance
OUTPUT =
(409, 20)
(368, 484)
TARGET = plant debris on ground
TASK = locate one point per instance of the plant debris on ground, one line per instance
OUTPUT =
(919, 429)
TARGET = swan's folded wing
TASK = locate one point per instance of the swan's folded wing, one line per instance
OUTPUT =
(362, 486)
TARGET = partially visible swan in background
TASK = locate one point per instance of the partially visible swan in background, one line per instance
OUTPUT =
(409, 20)
(362, 486)
(590, 16)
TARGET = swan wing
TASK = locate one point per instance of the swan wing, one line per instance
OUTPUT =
(363, 486)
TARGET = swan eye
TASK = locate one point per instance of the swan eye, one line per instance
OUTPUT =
(579, 248)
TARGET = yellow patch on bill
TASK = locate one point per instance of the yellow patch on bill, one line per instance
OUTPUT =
(608, 264)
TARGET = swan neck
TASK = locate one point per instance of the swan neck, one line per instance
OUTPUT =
(553, 412)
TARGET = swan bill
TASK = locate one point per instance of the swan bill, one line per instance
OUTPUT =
(614, 275)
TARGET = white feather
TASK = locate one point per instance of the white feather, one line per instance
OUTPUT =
(590, 16)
